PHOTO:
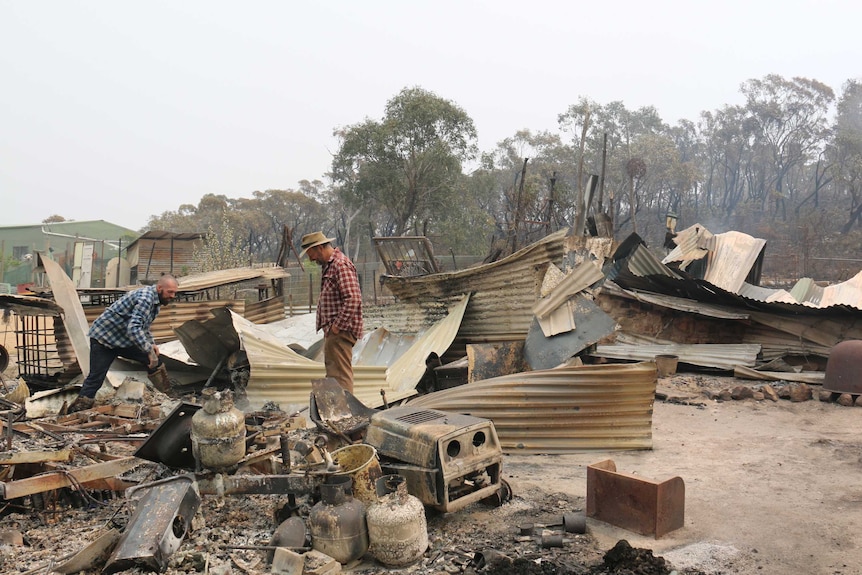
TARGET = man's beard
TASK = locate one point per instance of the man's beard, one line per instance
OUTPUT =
(163, 301)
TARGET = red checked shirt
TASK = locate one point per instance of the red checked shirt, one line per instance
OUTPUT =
(340, 300)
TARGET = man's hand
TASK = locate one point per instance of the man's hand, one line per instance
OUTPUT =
(334, 330)
(154, 357)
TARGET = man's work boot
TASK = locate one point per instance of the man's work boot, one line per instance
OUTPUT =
(80, 404)
(160, 381)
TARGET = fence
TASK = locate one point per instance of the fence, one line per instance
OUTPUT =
(302, 288)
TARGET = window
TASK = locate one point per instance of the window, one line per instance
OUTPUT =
(18, 252)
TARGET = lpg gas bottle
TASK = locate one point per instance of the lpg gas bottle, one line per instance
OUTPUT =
(337, 522)
(218, 431)
(397, 529)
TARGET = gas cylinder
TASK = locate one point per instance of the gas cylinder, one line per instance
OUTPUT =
(397, 530)
(218, 431)
(337, 522)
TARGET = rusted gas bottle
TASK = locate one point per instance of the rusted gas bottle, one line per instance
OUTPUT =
(218, 431)
(397, 529)
(337, 522)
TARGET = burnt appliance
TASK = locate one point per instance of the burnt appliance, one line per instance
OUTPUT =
(449, 460)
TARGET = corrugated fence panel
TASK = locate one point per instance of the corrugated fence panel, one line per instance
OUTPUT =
(266, 311)
(562, 410)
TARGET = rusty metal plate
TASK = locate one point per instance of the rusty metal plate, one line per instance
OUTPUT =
(161, 520)
(487, 360)
(640, 505)
(844, 368)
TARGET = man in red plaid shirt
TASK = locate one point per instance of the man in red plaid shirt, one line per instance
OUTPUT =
(339, 308)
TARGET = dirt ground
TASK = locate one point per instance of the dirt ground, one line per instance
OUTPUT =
(771, 488)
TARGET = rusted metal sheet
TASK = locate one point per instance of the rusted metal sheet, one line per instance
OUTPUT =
(65, 478)
(563, 410)
(503, 295)
(574, 282)
(92, 556)
(844, 368)
(717, 355)
(29, 305)
(487, 360)
(761, 375)
(641, 505)
(156, 529)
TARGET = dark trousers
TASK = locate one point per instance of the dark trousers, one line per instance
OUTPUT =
(101, 358)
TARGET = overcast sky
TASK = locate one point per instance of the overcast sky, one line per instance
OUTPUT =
(119, 110)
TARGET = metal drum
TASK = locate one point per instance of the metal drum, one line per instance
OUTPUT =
(844, 368)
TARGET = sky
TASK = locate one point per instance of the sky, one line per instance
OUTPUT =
(119, 110)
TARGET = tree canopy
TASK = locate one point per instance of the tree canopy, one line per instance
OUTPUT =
(404, 169)
(786, 164)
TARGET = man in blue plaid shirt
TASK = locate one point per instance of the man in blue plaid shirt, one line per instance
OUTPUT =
(123, 330)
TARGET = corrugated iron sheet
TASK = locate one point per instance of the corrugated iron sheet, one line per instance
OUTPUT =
(826, 330)
(198, 282)
(689, 246)
(766, 295)
(847, 293)
(718, 355)
(563, 410)
(774, 343)
(730, 256)
(643, 263)
(633, 270)
(407, 370)
(815, 378)
(503, 294)
(574, 282)
(265, 311)
(677, 303)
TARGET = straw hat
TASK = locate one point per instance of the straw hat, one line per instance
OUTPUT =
(313, 239)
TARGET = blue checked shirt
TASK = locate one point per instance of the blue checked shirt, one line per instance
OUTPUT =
(126, 323)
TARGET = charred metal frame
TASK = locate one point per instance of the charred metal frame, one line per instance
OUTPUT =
(39, 360)
(407, 256)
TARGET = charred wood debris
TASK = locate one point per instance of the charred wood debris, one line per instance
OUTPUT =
(132, 485)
